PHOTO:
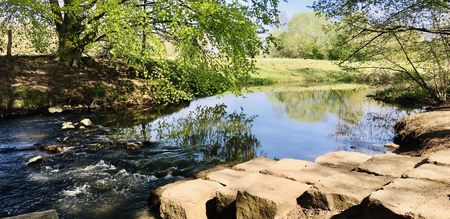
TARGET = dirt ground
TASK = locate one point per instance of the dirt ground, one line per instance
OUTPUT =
(423, 133)
(30, 83)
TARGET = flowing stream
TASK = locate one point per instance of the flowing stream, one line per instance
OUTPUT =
(90, 180)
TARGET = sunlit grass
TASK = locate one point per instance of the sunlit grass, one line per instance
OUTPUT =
(303, 71)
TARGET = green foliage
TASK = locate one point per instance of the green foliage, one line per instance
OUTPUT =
(213, 40)
(406, 37)
(304, 37)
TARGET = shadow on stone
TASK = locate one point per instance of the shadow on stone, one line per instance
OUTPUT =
(368, 210)
(220, 210)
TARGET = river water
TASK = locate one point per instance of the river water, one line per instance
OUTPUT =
(114, 182)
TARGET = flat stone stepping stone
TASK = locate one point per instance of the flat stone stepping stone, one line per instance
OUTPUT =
(255, 165)
(430, 172)
(49, 214)
(302, 171)
(341, 191)
(188, 199)
(264, 196)
(228, 177)
(343, 159)
(410, 198)
(256, 195)
(389, 164)
(440, 158)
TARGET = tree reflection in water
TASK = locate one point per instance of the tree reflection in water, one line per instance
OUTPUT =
(362, 123)
(211, 133)
(314, 106)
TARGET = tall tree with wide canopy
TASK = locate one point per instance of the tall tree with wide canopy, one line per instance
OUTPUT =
(198, 29)
(410, 37)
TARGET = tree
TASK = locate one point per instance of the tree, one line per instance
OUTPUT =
(304, 37)
(199, 29)
(409, 37)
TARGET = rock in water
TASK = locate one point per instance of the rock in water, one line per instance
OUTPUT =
(67, 125)
(86, 122)
(53, 148)
(34, 160)
(392, 146)
(49, 214)
(55, 109)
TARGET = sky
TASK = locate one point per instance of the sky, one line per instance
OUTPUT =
(293, 7)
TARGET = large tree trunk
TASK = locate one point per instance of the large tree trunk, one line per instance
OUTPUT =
(9, 44)
(68, 28)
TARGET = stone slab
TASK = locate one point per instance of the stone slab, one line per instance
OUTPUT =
(49, 214)
(341, 191)
(412, 198)
(440, 157)
(430, 172)
(228, 177)
(389, 164)
(188, 199)
(343, 159)
(265, 196)
(255, 165)
(302, 171)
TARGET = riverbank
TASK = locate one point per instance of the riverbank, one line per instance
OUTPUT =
(32, 84)
(424, 133)
(337, 185)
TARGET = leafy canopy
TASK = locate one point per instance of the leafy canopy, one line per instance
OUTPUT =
(405, 37)
(212, 40)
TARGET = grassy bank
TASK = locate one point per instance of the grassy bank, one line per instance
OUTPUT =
(299, 71)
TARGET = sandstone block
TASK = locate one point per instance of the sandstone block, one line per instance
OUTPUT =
(410, 198)
(188, 199)
(302, 171)
(440, 157)
(389, 164)
(430, 172)
(341, 191)
(255, 165)
(343, 159)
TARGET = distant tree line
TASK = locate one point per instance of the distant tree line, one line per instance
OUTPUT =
(308, 35)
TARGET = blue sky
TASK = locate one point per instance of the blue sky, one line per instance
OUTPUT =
(295, 6)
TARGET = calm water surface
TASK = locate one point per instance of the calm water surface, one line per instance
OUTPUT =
(114, 182)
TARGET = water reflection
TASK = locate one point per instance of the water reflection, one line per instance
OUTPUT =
(313, 106)
(207, 132)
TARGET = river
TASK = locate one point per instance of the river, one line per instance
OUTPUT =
(85, 181)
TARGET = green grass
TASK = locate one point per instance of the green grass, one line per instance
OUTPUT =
(299, 71)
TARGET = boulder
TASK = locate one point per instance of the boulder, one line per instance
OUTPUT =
(188, 199)
(257, 195)
(49, 214)
(133, 145)
(302, 171)
(34, 160)
(341, 191)
(389, 164)
(67, 125)
(342, 159)
(55, 109)
(265, 196)
(52, 148)
(86, 122)
(430, 172)
(255, 165)
(440, 157)
(409, 198)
